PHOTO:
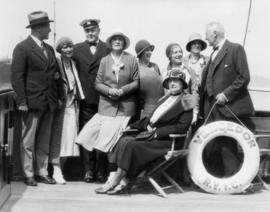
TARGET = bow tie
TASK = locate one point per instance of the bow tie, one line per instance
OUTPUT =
(92, 43)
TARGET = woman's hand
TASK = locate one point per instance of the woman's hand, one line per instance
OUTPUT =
(115, 93)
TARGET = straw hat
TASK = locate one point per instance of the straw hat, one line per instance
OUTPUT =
(126, 39)
(37, 18)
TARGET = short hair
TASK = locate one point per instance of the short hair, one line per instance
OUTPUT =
(169, 49)
(61, 42)
(218, 27)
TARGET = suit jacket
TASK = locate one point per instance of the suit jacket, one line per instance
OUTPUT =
(128, 81)
(229, 74)
(35, 78)
(176, 120)
(87, 65)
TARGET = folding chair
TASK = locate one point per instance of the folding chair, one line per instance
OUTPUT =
(160, 168)
(262, 132)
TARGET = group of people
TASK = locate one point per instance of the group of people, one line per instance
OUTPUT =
(82, 100)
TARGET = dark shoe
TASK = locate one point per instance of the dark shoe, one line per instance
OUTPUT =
(104, 189)
(89, 177)
(102, 178)
(120, 189)
(30, 181)
(46, 180)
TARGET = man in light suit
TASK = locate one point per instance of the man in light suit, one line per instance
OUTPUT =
(225, 80)
(35, 78)
(87, 56)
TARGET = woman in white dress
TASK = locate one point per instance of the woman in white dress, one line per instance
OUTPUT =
(65, 126)
(196, 62)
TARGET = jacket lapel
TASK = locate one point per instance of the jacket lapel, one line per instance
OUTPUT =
(219, 57)
(101, 47)
(86, 55)
(36, 49)
(175, 109)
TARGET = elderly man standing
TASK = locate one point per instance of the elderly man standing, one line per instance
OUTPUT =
(87, 56)
(34, 77)
(224, 81)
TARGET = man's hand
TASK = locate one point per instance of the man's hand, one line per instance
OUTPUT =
(221, 99)
(23, 108)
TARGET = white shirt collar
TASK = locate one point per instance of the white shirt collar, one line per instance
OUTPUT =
(38, 42)
(221, 43)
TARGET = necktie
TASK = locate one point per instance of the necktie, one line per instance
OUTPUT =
(215, 48)
(43, 48)
(209, 85)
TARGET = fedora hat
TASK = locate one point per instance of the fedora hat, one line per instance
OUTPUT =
(195, 37)
(37, 18)
(175, 73)
(141, 46)
(126, 39)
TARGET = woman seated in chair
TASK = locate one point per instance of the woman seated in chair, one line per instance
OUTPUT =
(173, 115)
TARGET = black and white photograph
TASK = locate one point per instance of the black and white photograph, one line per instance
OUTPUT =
(134, 105)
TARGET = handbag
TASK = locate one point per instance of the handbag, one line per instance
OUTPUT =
(145, 135)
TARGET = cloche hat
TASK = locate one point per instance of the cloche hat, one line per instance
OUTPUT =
(141, 46)
(175, 73)
(195, 37)
(61, 42)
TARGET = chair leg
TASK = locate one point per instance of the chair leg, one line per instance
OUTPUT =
(264, 183)
(157, 187)
(172, 181)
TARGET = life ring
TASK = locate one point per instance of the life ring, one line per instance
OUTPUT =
(240, 180)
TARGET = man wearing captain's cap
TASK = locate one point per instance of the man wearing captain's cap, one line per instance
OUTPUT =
(87, 55)
(35, 78)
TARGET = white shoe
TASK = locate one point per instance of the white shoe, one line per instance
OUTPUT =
(58, 176)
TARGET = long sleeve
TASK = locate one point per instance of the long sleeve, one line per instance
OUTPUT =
(18, 74)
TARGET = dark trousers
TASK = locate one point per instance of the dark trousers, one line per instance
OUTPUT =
(94, 161)
(221, 154)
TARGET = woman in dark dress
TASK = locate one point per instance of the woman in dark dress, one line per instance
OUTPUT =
(151, 89)
(173, 114)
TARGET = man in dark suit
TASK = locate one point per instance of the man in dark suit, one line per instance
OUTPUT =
(34, 77)
(225, 80)
(87, 55)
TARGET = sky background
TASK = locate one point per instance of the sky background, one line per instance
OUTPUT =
(159, 21)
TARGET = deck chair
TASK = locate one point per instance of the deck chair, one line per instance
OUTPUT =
(262, 135)
(160, 168)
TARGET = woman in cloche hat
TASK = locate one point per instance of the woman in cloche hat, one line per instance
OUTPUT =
(196, 62)
(172, 114)
(117, 81)
(150, 78)
(65, 128)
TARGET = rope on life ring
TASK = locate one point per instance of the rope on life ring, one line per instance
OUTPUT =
(240, 180)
